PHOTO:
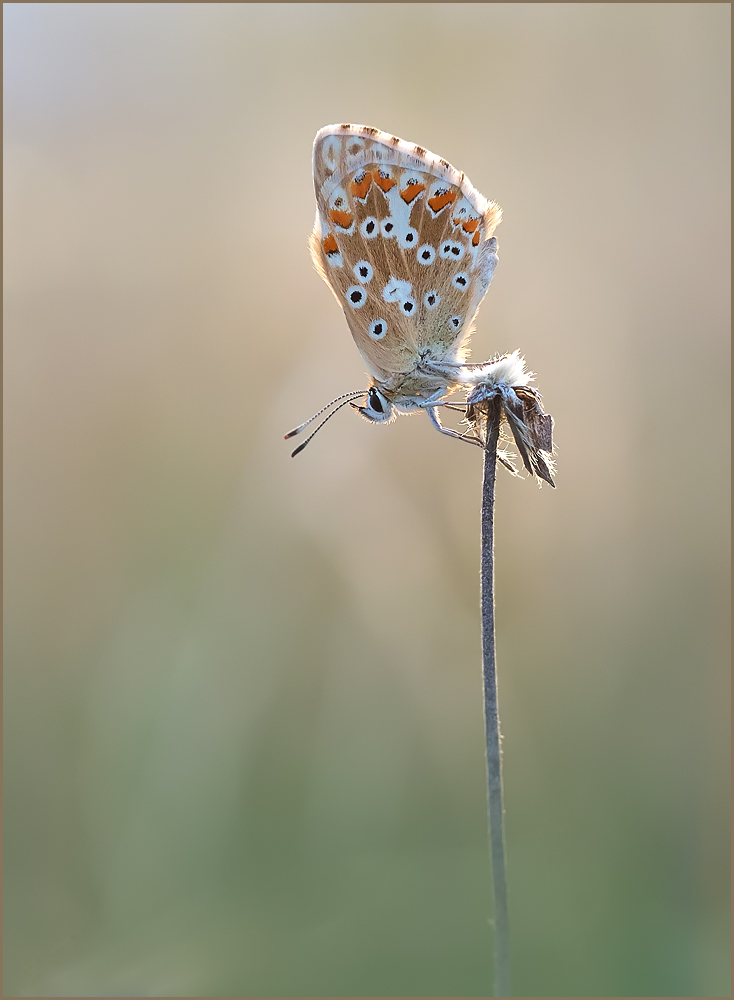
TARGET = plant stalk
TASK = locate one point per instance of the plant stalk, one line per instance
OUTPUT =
(491, 716)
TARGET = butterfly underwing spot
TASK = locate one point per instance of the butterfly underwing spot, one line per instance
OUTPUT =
(378, 329)
(370, 227)
(387, 228)
(411, 185)
(354, 146)
(426, 254)
(465, 217)
(330, 152)
(440, 196)
(396, 290)
(331, 250)
(462, 211)
(408, 306)
(451, 251)
(339, 212)
(460, 280)
(469, 225)
(383, 179)
(363, 271)
(356, 296)
(431, 299)
(360, 185)
(408, 239)
(455, 321)
(342, 219)
(476, 238)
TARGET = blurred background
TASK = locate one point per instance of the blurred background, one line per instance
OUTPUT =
(243, 709)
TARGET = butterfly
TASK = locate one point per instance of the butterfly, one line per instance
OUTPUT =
(406, 245)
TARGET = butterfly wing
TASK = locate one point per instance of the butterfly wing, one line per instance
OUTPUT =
(405, 243)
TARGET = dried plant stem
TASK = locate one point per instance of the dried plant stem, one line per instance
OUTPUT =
(494, 759)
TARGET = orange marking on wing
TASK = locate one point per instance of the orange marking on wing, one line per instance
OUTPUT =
(411, 192)
(476, 238)
(342, 219)
(330, 245)
(383, 182)
(362, 186)
(439, 201)
(470, 225)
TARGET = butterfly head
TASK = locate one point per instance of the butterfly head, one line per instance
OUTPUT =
(378, 407)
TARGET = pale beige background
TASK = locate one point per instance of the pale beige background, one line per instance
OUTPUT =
(243, 709)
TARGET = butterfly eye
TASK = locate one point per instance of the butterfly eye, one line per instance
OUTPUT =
(387, 227)
(369, 227)
(431, 299)
(363, 271)
(409, 239)
(408, 306)
(455, 322)
(356, 296)
(460, 280)
(426, 254)
(378, 329)
(374, 401)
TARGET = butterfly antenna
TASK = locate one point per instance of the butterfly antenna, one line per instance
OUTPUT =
(350, 395)
(303, 444)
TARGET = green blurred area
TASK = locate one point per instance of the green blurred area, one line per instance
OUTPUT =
(243, 715)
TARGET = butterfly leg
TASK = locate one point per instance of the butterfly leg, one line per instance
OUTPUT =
(433, 414)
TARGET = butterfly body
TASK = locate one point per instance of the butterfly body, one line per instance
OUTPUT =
(406, 245)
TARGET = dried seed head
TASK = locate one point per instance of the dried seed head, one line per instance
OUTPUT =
(531, 428)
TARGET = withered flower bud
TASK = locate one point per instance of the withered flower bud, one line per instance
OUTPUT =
(506, 379)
